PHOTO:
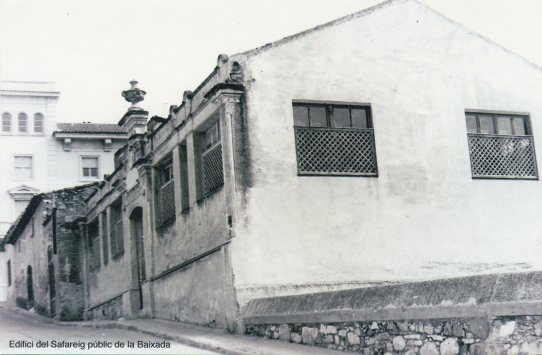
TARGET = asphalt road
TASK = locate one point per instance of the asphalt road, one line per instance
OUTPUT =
(22, 333)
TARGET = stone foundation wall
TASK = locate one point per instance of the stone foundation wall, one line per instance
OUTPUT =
(484, 314)
(502, 335)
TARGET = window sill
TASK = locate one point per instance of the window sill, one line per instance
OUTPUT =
(371, 175)
(117, 257)
(164, 225)
(531, 178)
(209, 194)
(87, 179)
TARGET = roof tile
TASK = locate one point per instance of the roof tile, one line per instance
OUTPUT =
(90, 128)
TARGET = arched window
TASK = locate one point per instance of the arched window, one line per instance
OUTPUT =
(23, 122)
(38, 123)
(6, 122)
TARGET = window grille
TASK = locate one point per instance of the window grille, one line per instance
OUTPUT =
(501, 146)
(117, 239)
(502, 156)
(105, 242)
(94, 246)
(213, 171)
(167, 201)
(335, 151)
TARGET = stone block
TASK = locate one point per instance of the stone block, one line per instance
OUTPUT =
(383, 336)
(284, 332)
(296, 338)
(507, 329)
(479, 327)
(331, 329)
(328, 339)
(308, 335)
(448, 329)
(429, 349)
(458, 330)
(428, 329)
(399, 343)
(449, 347)
(342, 333)
(353, 339)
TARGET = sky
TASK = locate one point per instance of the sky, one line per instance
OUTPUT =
(93, 48)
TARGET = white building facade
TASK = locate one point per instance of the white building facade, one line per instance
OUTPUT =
(38, 155)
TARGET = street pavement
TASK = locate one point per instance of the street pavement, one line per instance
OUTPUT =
(37, 335)
(17, 324)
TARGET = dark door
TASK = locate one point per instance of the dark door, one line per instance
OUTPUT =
(30, 286)
(136, 220)
(51, 272)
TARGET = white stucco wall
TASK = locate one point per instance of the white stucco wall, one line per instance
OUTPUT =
(21, 143)
(69, 172)
(424, 216)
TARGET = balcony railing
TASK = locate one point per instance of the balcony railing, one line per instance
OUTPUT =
(335, 151)
(497, 156)
(213, 171)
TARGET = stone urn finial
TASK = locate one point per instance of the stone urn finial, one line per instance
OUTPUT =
(134, 95)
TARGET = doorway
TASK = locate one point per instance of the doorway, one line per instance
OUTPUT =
(30, 287)
(136, 225)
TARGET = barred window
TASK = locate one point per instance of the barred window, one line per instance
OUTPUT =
(334, 139)
(501, 146)
(93, 245)
(105, 244)
(6, 122)
(38, 123)
(116, 232)
(183, 165)
(165, 206)
(211, 161)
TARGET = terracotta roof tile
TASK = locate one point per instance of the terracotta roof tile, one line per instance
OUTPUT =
(90, 128)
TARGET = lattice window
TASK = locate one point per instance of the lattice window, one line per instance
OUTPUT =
(94, 245)
(501, 146)
(213, 171)
(335, 151)
(167, 201)
(117, 230)
(502, 156)
(165, 193)
(334, 139)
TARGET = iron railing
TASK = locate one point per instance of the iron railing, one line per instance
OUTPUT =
(213, 171)
(498, 156)
(335, 151)
(167, 201)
